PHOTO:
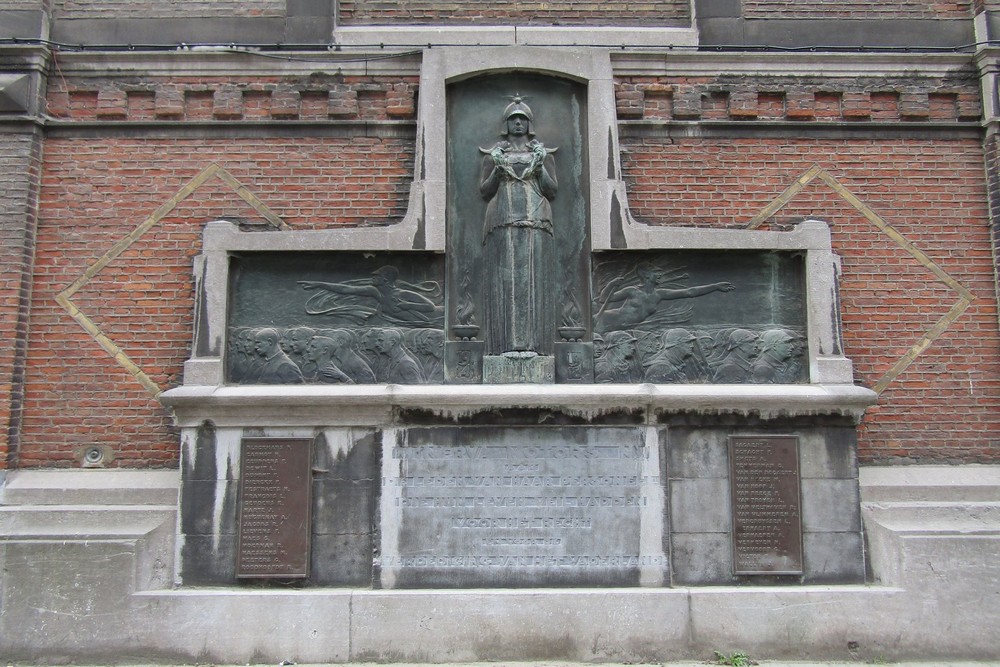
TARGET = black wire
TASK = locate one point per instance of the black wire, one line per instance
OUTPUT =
(268, 50)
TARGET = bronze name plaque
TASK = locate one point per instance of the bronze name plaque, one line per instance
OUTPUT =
(764, 487)
(274, 508)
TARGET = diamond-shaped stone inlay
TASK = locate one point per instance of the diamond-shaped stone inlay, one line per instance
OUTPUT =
(965, 297)
(64, 298)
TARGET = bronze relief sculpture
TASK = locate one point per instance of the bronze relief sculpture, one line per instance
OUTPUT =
(518, 181)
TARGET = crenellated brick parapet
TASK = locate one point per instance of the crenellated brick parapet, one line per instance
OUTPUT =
(665, 98)
(859, 9)
(249, 99)
(736, 98)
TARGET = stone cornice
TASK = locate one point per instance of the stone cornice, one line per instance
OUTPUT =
(380, 405)
(390, 60)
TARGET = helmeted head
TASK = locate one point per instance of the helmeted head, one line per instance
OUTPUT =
(517, 108)
(777, 342)
(385, 275)
(682, 339)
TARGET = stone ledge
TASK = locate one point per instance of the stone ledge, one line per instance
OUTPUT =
(906, 484)
(82, 522)
(91, 487)
(428, 36)
(376, 404)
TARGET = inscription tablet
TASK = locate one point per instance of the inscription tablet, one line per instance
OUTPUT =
(274, 508)
(523, 506)
(764, 486)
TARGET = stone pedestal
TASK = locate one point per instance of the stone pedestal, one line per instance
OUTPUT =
(523, 485)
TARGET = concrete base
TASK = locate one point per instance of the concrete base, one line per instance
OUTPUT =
(86, 558)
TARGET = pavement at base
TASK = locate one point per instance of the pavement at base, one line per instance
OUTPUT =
(690, 663)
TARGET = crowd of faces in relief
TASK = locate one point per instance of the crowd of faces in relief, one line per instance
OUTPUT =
(680, 355)
(263, 355)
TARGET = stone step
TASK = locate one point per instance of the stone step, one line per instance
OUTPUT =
(90, 487)
(967, 483)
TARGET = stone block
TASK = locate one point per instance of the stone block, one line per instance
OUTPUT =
(90, 487)
(830, 505)
(790, 622)
(208, 507)
(343, 507)
(463, 361)
(23, 23)
(700, 506)
(309, 8)
(833, 558)
(349, 454)
(828, 453)
(245, 626)
(342, 560)
(697, 454)
(519, 506)
(701, 558)
(208, 560)
(15, 93)
(574, 362)
(308, 29)
(165, 30)
(578, 625)
(52, 589)
(710, 9)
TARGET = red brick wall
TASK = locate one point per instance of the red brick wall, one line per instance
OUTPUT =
(946, 405)
(117, 9)
(514, 12)
(858, 9)
(96, 191)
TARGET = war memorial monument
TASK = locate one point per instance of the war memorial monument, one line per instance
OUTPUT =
(514, 423)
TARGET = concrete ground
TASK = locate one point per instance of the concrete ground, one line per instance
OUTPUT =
(760, 663)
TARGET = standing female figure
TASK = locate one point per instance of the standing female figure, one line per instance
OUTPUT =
(519, 181)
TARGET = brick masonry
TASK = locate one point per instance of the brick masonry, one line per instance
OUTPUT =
(94, 193)
(20, 163)
(349, 163)
(857, 9)
(946, 406)
(319, 97)
(118, 9)
(876, 99)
